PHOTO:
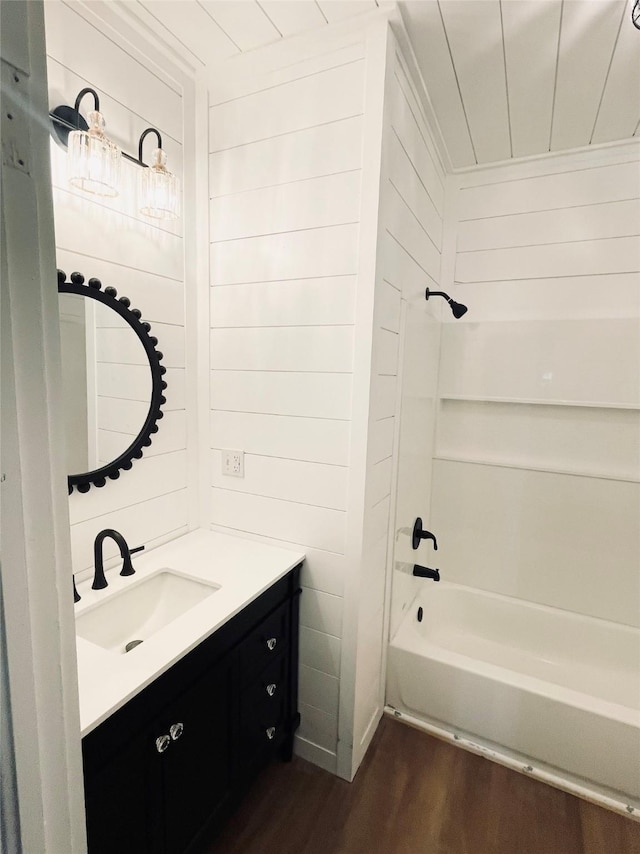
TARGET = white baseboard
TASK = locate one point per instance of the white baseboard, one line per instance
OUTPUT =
(315, 754)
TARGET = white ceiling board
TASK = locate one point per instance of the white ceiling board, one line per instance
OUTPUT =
(424, 25)
(587, 38)
(531, 32)
(338, 10)
(159, 32)
(293, 16)
(620, 107)
(504, 78)
(517, 78)
(194, 28)
(244, 22)
(474, 30)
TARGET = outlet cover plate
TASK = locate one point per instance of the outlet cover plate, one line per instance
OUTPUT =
(233, 463)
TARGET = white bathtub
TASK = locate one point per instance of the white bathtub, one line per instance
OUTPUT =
(548, 687)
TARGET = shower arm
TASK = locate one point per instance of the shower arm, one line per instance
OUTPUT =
(456, 307)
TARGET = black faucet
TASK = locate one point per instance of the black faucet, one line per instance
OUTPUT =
(418, 534)
(425, 572)
(99, 581)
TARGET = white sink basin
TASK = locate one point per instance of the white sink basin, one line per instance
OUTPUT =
(139, 611)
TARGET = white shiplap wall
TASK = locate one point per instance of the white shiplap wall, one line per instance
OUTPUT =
(537, 471)
(409, 247)
(412, 247)
(143, 259)
(285, 169)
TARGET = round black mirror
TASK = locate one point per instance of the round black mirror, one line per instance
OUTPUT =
(113, 381)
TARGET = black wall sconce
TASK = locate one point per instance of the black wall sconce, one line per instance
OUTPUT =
(94, 159)
(635, 14)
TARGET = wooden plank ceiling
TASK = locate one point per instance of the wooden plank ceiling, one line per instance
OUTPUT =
(207, 31)
(506, 78)
(511, 78)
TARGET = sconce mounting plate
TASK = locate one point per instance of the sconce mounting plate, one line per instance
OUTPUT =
(65, 119)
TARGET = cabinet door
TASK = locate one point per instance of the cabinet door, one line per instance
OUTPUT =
(119, 801)
(197, 767)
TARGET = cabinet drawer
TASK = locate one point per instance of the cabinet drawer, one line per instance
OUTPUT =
(264, 694)
(264, 644)
(262, 730)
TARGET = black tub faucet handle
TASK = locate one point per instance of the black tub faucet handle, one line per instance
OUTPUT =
(420, 534)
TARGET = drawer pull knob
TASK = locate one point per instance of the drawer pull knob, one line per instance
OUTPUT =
(271, 733)
(162, 743)
(271, 689)
(271, 644)
(176, 731)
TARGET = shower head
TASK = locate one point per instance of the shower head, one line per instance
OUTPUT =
(456, 307)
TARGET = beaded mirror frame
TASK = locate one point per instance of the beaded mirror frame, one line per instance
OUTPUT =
(122, 306)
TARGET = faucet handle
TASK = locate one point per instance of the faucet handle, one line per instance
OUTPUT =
(127, 566)
(418, 534)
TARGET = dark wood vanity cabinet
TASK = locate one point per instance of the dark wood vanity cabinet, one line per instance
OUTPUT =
(164, 771)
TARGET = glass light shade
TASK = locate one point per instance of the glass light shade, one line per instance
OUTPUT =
(160, 191)
(94, 161)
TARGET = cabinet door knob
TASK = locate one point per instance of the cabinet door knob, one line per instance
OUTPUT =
(175, 731)
(271, 733)
(162, 743)
(271, 689)
(271, 644)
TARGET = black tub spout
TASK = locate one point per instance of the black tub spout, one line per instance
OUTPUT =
(426, 572)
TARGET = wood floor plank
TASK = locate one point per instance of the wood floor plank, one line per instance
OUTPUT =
(415, 794)
(604, 831)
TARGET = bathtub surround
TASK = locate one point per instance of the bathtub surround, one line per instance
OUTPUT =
(539, 406)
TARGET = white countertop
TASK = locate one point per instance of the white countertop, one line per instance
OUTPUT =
(243, 569)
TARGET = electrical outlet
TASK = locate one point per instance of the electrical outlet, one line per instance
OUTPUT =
(233, 463)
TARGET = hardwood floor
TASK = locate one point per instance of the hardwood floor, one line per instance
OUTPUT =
(415, 794)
